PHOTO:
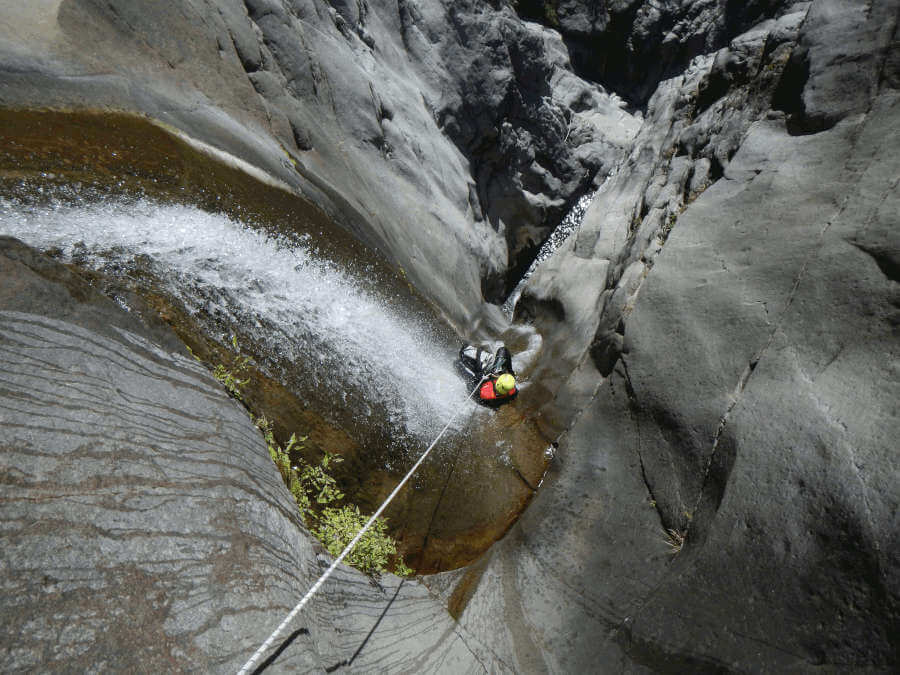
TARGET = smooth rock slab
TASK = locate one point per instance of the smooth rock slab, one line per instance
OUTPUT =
(144, 527)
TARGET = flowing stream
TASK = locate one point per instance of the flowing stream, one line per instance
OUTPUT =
(352, 356)
(357, 350)
(566, 227)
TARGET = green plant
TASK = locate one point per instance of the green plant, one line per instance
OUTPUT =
(313, 487)
(314, 484)
(400, 568)
(550, 13)
(231, 377)
(338, 526)
(308, 483)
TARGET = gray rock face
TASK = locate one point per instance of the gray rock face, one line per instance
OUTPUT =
(718, 340)
(749, 338)
(535, 133)
(632, 45)
(846, 54)
(145, 528)
(449, 136)
(694, 125)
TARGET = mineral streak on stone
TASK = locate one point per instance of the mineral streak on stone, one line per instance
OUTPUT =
(145, 528)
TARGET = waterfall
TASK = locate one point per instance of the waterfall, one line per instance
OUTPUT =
(565, 228)
(355, 349)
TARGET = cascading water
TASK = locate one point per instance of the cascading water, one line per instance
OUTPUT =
(566, 227)
(355, 359)
(356, 352)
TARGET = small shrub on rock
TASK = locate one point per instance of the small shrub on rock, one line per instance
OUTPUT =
(313, 487)
(338, 526)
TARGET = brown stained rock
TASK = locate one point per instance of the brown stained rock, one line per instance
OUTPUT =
(89, 154)
(145, 527)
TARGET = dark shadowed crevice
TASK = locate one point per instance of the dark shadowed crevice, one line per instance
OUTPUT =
(886, 257)
(788, 97)
(628, 47)
(530, 309)
(713, 490)
(508, 125)
(635, 414)
(606, 350)
(739, 15)
(716, 170)
(607, 347)
(493, 287)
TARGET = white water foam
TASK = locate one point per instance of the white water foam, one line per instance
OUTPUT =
(563, 231)
(307, 310)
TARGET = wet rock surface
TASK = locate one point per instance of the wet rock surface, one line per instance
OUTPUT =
(718, 340)
(447, 135)
(59, 160)
(145, 527)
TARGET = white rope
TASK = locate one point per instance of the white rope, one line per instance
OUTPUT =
(315, 587)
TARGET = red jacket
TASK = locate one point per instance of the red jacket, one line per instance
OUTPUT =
(488, 394)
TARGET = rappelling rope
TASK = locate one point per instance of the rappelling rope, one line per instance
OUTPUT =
(315, 587)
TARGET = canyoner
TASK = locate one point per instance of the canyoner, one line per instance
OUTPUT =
(494, 373)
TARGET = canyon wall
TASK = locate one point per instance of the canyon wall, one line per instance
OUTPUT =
(733, 480)
(718, 354)
(448, 135)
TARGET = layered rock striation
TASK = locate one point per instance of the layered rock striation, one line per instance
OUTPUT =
(145, 527)
(718, 357)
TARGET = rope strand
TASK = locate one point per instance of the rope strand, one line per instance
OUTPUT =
(315, 587)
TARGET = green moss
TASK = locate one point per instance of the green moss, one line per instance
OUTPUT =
(550, 13)
(316, 491)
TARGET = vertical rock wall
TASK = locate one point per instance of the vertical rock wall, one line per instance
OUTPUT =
(722, 344)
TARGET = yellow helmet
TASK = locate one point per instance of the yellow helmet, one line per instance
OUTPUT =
(505, 384)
